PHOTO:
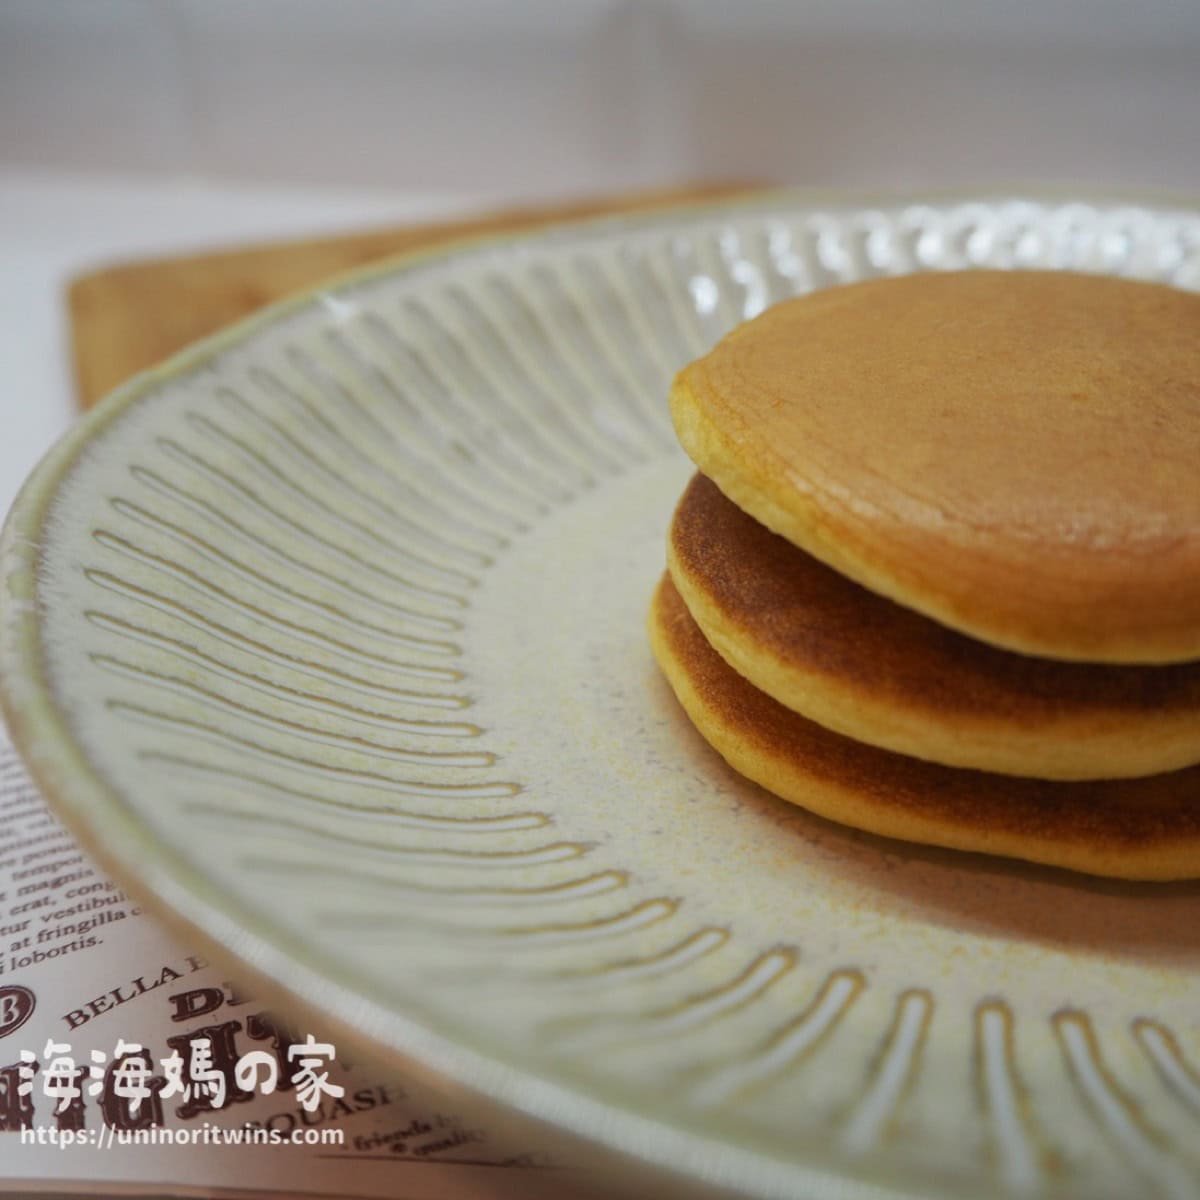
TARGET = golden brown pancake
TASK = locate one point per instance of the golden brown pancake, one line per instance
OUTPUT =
(1125, 828)
(880, 673)
(1013, 454)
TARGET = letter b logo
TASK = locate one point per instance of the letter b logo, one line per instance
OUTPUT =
(16, 1006)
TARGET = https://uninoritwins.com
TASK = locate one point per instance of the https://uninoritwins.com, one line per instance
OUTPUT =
(160, 1135)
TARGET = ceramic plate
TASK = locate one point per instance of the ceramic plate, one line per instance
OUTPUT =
(330, 636)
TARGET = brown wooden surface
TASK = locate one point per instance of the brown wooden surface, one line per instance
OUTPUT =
(130, 316)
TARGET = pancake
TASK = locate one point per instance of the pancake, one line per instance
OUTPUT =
(880, 673)
(1013, 454)
(1146, 829)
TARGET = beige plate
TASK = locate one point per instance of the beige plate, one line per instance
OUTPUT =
(329, 636)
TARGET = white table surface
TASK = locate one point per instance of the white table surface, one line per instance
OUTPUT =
(55, 225)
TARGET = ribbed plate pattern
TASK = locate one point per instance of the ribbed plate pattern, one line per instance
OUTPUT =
(344, 613)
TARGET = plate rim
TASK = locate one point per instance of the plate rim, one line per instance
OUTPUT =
(192, 907)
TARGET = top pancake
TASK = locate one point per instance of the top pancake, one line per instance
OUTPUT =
(1013, 454)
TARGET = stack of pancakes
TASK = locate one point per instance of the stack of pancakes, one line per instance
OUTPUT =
(939, 576)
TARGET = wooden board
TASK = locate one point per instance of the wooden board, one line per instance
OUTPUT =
(130, 316)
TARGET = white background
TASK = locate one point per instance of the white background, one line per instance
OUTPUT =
(147, 126)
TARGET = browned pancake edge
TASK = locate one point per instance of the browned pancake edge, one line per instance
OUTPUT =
(1143, 829)
(882, 673)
